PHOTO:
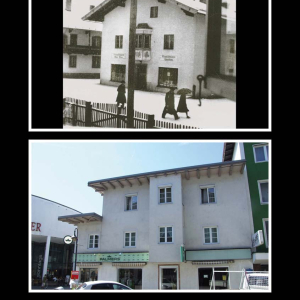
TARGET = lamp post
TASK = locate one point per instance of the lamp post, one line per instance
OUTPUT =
(75, 239)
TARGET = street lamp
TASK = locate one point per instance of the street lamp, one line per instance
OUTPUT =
(75, 239)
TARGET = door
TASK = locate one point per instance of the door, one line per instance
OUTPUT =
(205, 275)
(140, 77)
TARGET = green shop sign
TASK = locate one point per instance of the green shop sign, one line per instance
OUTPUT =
(112, 257)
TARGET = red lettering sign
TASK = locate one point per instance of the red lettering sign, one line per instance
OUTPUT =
(37, 228)
(32, 226)
(74, 274)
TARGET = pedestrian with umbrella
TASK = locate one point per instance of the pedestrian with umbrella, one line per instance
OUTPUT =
(170, 104)
(121, 98)
(182, 107)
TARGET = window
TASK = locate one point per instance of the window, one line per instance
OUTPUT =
(168, 77)
(208, 195)
(68, 5)
(143, 41)
(169, 42)
(131, 202)
(118, 73)
(96, 41)
(96, 62)
(154, 12)
(102, 286)
(165, 195)
(72, 61)
(94, 241)
(210, 235)
(119, 287)
(266, 231)
(92, 6)
(73, 39)
(130, 239)
(169, 278)
(263, 187)
(131, 278)
(261, 153)
(165, 234)
(119, 42)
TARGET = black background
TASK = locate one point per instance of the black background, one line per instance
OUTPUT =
(47, 66)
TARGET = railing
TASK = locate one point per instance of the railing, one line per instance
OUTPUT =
(80, 49)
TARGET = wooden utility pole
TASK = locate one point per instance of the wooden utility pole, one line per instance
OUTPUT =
(131, 64)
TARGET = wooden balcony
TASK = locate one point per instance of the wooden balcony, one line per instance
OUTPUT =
(79, 49)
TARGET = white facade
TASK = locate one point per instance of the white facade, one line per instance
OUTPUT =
(45, 227)
(230, 214)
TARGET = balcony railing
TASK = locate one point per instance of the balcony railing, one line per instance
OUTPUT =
(80, 49)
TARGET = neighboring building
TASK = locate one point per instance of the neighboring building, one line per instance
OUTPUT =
(49, 254)
(81, 41)
(173, 45)
(257, 166)
(169, 229)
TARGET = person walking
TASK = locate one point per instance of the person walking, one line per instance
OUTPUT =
(182, 107)
(170, 105)
(121, 98)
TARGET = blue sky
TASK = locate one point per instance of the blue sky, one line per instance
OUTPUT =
(60, 171)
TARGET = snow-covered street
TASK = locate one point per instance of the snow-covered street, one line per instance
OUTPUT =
(213, 114)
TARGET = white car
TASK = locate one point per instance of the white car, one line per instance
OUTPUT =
(102, 285)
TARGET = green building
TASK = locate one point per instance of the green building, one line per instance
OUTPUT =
(257, 166)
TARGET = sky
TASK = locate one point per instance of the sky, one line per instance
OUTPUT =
(60, 170)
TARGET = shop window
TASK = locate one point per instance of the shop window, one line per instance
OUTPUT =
(68, 5)
(131, 278)
(118, 73)
(72, 61)
(130, 239)
(169, 42)
(208, 195)
(169, 278)
(263, 187)
(94, 241)
(119, 41)
(154, 12)
(96, 62)
(211, 235)
(168, 77)
(73, 39)
(143, 41)
(96, 41)
(166, 234)
(131, 202)
(261, 153)
(87, 274)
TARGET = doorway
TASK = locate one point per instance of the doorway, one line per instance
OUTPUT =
(220, 280)
(140, 77)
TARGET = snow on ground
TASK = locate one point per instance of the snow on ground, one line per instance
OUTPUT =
(213, 114)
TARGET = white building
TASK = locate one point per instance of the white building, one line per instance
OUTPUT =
(169, 229)
(82, 41)
(49, 254)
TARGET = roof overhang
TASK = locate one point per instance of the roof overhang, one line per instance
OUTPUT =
(228, 151)
(216, 169)
(80, 218)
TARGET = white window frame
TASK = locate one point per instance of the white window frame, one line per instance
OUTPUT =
(165, 187)
(210, 235)
(265, 232)
(130, 246)
(168, 267)
(94, 234)
(207, 187)
(265, 152)
(259, 190)
(165, 242)
(131, 195)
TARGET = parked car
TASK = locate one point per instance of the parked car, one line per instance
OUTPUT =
(102, 285)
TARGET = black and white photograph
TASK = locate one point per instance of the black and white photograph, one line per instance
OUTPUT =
(155, 64)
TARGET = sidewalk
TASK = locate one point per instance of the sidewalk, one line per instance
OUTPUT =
(67, 287)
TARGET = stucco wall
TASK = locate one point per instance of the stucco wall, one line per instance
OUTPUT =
(189, 55)
(84, 230)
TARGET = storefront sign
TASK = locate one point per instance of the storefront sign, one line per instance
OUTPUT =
(168, 58)
(67, 239)
(74, 274)
(38, 274)
(35, 226)
(113, 257)
(119, 55)
(257, 239)
(182, 256)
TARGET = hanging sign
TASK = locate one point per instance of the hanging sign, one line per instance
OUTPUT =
(257, 239)
(67, 239)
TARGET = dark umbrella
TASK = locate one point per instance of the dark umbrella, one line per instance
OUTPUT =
(184, 91)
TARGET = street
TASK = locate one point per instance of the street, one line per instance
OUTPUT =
(213, 114)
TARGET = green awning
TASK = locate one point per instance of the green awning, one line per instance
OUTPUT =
(218, 254)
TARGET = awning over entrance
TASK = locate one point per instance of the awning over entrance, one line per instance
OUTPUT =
(128, 264)
(214, 262)
(212, 255)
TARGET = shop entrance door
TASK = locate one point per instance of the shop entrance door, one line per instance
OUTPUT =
(140, 77)
(205, 276)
